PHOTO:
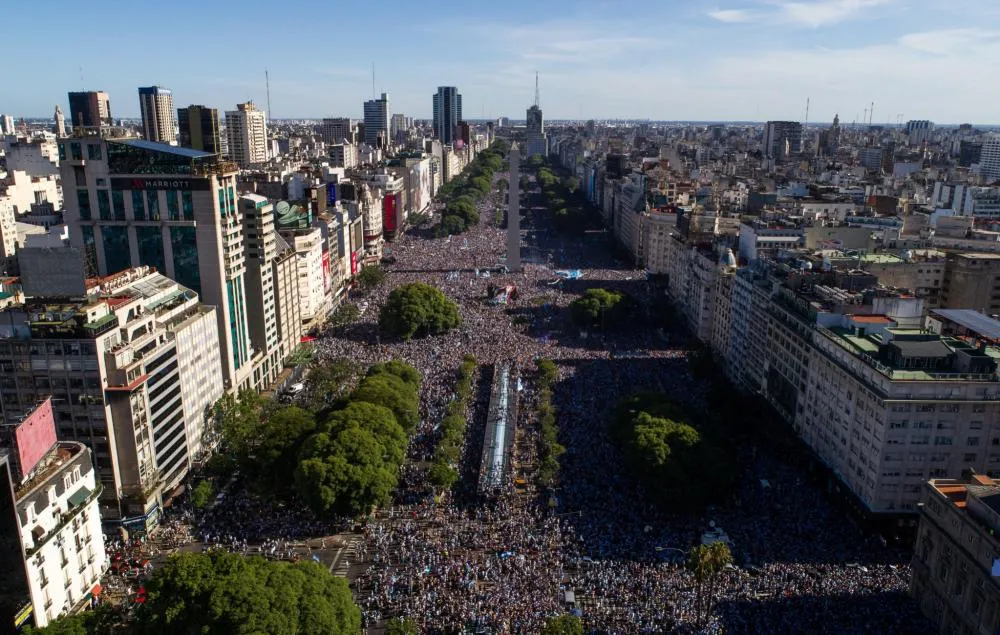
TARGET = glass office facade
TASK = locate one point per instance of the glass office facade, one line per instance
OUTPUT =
(116, 251)
(184, 245)
(151, 253)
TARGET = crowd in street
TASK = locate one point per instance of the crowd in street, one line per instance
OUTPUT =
(506, 565)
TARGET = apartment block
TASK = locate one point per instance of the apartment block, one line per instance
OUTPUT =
(50, 527)
(956, 562)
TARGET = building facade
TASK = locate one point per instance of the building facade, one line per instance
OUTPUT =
(956, 562)
(156, 105)
(141, 203)
(782, 139)
(246, 134)
(90, 109)
(199, 128)
(377, 119)
(447, 109)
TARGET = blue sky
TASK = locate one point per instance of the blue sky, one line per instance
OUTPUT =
(661, 59)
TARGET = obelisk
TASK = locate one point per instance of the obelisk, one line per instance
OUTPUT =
(514, 211)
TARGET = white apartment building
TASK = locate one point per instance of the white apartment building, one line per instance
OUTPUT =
(989, 159)
(658, 230)
(132, 368)
(308, 246)
(246, 133)
(156, 105)
(344, 155)
(52, 523)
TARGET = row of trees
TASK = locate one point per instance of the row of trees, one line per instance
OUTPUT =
(444, 470)
(416, 310)
(340, 453)
(603, 309)
(549, 448)
(668, 454)
(462, 193)
(562, 197)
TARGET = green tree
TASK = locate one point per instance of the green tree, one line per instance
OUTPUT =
(548, 372)
(706, 562)
(230, 594)
(417, 309)
(346, 473)
(536, 161)
(402, 626)
(563, 625)
(374, 418)
(370, 277)
(571, 184)
(276, 456)
(451, 225)
(238, 419)
(419, 219)
(600, 308)
(201, 495)
(389, 390)
(100, 620)
(328, 382)
(346, 313)
(442, 475)
(404, 371)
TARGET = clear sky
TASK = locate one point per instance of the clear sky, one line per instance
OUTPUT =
(657, 59)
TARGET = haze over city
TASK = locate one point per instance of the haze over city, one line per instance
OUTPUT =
(696, 60)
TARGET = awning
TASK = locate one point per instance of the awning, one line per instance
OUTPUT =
(79, 497)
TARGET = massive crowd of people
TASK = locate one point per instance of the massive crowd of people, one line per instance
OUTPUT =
(507, 564)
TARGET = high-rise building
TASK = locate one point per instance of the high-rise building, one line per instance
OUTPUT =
(918, 131)
(138, 202)
(90, 109)
(156, 105)
(377, 117)
(59, 125)
(246, 132)
(537, 143)
(6, 124)
(989, 159)
(447, 113)
(398, 128)
(782, 139)
(262, 249)
(50, 525)
(199, 128)
(335, 130)
(956, 561)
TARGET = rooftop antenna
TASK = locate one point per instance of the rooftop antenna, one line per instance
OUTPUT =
(373, 81)
(267, 82)
(536, 89)
(871, 113)
(83, 84)
(807, 111)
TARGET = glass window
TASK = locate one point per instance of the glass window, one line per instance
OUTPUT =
(138, 206)
(187, 205)
(151, 247)
(103, 204)
(222, 202)
(184, 245)
(94, 151)
(116, 251)
(118, 204)
(173, 213)
(76, 151)
(62, 151)
(83, 201)
(90, 249)
(80, 175)
(153, 204)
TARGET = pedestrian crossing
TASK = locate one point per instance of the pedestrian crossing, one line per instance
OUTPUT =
(345, 556)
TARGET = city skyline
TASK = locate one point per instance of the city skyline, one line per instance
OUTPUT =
(626, 60)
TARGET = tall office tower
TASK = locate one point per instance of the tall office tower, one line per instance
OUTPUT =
(335, 130)
(782, 139)
(246, 132)
(50, 524)
(989, 159)
(6, 124)
(535, 128)
(156, 105)
(138, 202)
(89, 109)
(132, 363)
(514, 211)
(59, 127)
(199, 128)
(447, 113)
(398, 127)
(377, 122)
(918, 131)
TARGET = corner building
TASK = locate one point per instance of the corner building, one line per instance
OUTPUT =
(131, 203)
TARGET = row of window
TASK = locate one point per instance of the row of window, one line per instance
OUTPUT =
(145, 205)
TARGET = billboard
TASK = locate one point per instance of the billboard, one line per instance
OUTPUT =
(171, 183)
(354, 263)
(34, 436)
(390, 211)
(421, 186)
(327, 278)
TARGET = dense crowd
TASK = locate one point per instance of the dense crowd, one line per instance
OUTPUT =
(508, 564)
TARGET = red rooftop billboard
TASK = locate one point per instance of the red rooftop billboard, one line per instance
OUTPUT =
(34, 436)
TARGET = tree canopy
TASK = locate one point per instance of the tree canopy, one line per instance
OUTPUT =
(224, 593)
(668, 454)
(416, 310)
(563, 625)
(370, 277)
(461, 193)
(602, 308)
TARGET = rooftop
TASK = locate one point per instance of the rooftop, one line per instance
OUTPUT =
(972, 320)
(142, 144)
